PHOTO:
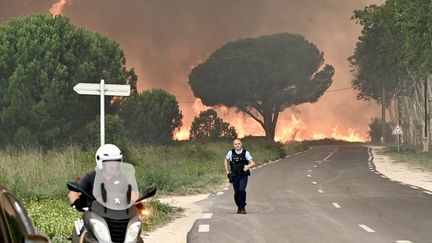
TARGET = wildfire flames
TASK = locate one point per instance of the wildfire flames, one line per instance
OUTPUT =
(57, 7)
(289, 128)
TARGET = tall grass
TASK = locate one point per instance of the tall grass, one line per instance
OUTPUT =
(32, 174)
(410, 154)
(197, 166)
(39, 178)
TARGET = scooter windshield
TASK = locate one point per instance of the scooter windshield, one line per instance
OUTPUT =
(115, 186)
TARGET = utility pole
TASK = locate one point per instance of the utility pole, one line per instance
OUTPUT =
(426, 117)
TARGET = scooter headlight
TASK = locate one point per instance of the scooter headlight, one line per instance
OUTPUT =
(101, 231)
(132, 232)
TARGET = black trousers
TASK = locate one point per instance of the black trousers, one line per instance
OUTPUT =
(239, 184)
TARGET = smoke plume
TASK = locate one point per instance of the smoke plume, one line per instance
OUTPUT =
(163, 40)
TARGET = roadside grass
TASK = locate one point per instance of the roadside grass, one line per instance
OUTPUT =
(410, 154)
(39, 178)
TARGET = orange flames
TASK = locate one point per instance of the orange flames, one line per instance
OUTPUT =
(57, 7)
(289, 128)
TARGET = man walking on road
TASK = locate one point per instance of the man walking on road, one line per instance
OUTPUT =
(239, 161)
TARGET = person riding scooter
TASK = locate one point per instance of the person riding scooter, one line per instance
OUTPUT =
(109, 197)
(105, 153)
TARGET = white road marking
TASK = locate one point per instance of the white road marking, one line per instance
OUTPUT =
(204, 228)
(414, 187)
(314, 182)
(320, 191)
(315, 166)
(336, 205)
(207, 216)
(428, 192)
(308, 175)
(366, 228)
(383, 176)
(376, 172)
(403, 241)
(309, 170)
(370, 158)
(219, 193)
(331, 154)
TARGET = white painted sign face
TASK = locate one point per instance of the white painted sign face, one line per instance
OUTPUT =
(102, 90)
(110, 89)
(397, 130)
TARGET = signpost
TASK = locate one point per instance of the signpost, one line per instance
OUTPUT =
(397, 131)
(102, 89)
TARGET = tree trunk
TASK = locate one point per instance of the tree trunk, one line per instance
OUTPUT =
(270, 121)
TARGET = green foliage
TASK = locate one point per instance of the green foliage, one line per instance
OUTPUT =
(53, 217)
(375, 58)
(41, 59)
(114, 132)
(32, 174)
(263, 76)
(161, 213)
(151, 117)
(375, 131)
(394, 50)
(207, 125)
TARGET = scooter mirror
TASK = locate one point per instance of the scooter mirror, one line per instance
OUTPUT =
(75, 187)
(148, 192)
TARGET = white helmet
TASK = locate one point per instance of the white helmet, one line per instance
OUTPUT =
(107, 152)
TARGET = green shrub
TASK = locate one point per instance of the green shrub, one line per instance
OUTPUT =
(161, 214)
(53, 217)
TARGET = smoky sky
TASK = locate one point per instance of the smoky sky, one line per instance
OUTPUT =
(164, 39)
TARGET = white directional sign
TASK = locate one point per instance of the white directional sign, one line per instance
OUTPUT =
(102, 89)
(110, 89)
(397, 130)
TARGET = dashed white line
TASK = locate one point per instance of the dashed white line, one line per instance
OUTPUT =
(320, 191)
(308, 175)
(366, 228)
(207, 216)
(428, 192)
(331, 154)
(314, 182)
(219, 193)
(309, 170)
(383, 176)
(204, 228)
(336, 205)
(414, 187)
(315, 166)
(403, 241)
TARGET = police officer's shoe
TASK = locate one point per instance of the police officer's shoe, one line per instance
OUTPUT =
(239, 211)
(243, 211)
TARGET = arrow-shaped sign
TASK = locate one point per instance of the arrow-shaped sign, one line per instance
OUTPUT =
(110, 89)
(102, 89)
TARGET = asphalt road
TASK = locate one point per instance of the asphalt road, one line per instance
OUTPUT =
(327, 194)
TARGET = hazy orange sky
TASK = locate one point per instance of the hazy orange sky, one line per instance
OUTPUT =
(164, 39)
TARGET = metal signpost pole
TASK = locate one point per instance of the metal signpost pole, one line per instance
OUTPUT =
(102, 89)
